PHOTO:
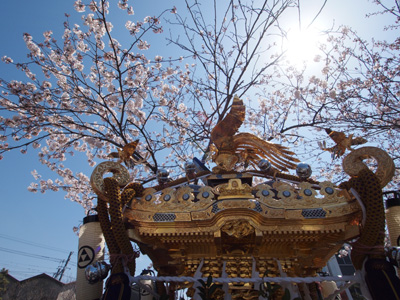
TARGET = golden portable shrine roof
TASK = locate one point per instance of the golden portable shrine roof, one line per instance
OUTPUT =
(301, 224)
(221, 223)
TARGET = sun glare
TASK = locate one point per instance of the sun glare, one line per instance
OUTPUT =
(301, 46)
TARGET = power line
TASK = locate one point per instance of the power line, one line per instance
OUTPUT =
(9, 264)
(12, 264)
(30, 254)
(22, 270)
(11, 238)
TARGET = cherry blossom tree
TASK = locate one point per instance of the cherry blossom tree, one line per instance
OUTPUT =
(235, 46)
(239, 49)
(356, 91)
(92, 92)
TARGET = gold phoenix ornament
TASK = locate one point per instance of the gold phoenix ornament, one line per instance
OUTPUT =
(231, 148)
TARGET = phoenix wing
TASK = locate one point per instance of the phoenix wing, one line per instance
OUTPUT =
(256, 149)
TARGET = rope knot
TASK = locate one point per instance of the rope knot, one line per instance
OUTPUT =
(123, 259)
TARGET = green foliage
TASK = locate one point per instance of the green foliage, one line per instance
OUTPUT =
(207, 289)
(3, 282)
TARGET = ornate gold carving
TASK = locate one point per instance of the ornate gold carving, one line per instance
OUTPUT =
(275, 213)
(288, 220)
(231, 148)
(305, 195)
(149, 196)
(330, 193)
(286, 193)
(353, 163)
(183, 217)
(168, 198)
(233, 189)
(343, 142)
(301, 223)
(120, 173)
(244, 204)
(238, 228)
(293, 214)
(125, 154)
(205, 194)
(140, 215)
(174, 200)
(343, 209)
(201, 215)
(185, 195)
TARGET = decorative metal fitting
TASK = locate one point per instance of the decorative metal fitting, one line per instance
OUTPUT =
(303, 170)
(162, 176)
(264, 165)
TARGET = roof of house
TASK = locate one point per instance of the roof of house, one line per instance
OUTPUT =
(42, 276)
(37, 277)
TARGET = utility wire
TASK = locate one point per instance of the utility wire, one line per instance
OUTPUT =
(31, 255)
(11, 238)
(9, 264)
(14, 268)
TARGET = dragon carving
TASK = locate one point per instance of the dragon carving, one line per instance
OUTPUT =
(368, 252)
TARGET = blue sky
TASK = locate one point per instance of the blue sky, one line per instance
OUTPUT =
(43, 220)
(40, 225)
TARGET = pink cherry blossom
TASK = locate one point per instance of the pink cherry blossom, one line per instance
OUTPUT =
(101, 87)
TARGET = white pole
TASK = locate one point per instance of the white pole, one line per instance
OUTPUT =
(91, 249)
(393, 220)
